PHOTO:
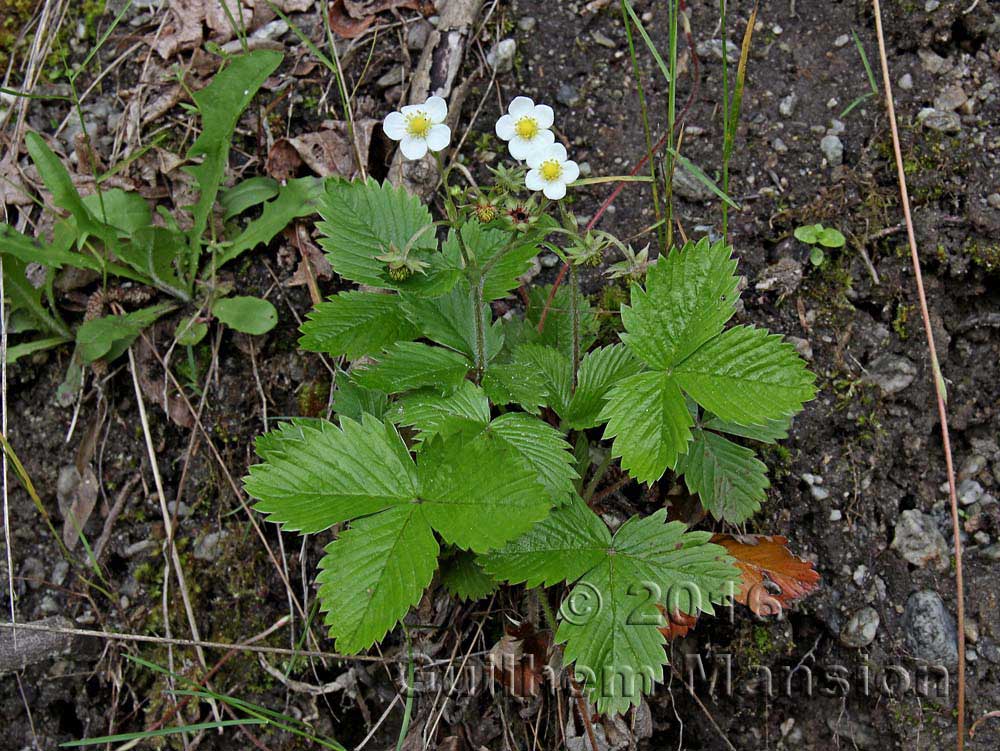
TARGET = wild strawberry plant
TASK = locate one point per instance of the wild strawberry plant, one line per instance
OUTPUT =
(461, 439)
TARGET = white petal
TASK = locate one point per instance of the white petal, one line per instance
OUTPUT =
(519, 148)
(535, 158)
(505, 128)
(558, 151)
(571, 171)
(394, 125)
(410, 108)
(544, 115)
(436, 109)
(439, 137)
(555, 190)
(533, 180)
(521, 106)
(413, 148)
(544, 152)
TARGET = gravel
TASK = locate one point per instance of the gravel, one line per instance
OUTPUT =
(969, 492)
(567, 95)
(891, 373)
(919, 541)
(833, 150)
(860, 630)
(942, 121)
(501, 55)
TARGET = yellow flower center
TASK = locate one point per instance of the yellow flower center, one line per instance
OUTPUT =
(526, 128)
(418, 125)
(550, 170)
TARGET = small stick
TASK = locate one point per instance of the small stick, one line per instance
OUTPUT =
(939, 386)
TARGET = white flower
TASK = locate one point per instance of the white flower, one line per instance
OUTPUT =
(526, 128)
(551, 171)
(419, 127)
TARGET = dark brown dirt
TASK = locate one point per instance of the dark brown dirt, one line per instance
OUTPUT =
(878, 453)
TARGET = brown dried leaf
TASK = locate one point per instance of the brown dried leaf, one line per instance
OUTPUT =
(518, 660)
(154, 385)
(77, 495)
(364, 8)
(678, 623)
(765, 562)
(283, 160)
(329, 151)
(343, 25)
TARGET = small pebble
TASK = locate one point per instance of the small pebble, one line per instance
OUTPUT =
(567, 95)
(779, 146)
(501, 56)
(787, 105)
(841, 41)
(906, 82)
(526, 24)
(833, 150)
(969, 492)
(836, 515)
(993, 199)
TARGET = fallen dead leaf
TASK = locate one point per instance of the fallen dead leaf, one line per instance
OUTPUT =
(343, 25)
(329, 151)
(77, 494)
(364, 8)
(678, 623)
(764, 560)
(283, 160)
(154, 386)
(518, 660)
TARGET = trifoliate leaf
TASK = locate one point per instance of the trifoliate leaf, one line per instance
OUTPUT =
(599, 370)
(565, 545)
(413, 365)
(542, 449)
(650, 422)
(450, 320)
(356, 324)
(727, 477)
(610, 620)
(747, 375)
(478, 494)
(374, 573)
(465, 578)
(558, 329)
(512, 383)
(315, 477)
(689, 296)
(771, 431)
(362, 220)
(466, 409)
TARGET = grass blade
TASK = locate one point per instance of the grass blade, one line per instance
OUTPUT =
(695, 171)
(143, 735)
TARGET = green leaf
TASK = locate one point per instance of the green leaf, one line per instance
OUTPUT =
(484, 244)
(541, 448)
(23, 295)
(22, 247)
(554, 367)
(361, 220)
(600, 370)
(64, 193)
(696, 172)
(558, 329)
(24, 349)
(771, 431)
(610, 621)
(650, 422)
(298, 197)
(465, 410)
(832, 238)
(478, 494)
(247, 193)
(356, 324)
(728, 478)
(351, 400)
(412, 365)
(565, 545)
(689, 296)
(747, 375)
(512, 383)
(109, 336)
(250, 315)
(374, 573)
(190, 331)
(126, 211)
(463, 577)
(816, 256)
(808, 233)
(450, 320)
(220, 105)
(315, 477)
(152, 252)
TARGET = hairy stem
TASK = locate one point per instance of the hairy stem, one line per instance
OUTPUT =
(574, 312)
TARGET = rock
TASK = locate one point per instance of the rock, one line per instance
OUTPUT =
(951, 98)
(972, 466)
(527, 24)
(931, 5)
(787, 105)
(969, 492)
(841, 41)
(891, 373)
(861, 736)
(993, 199)
(33, 572)
(802, 346)
(906, 82)
(836, 515)
(932, 62)
(417, 34)
(779, 146)
(271, 30)
(501, 55)
(819, 493)
(929, 629)
(207, 548)
(861, 629)
(919, 541)
(60, 572)
(833, 149)
(603, 39)
(711, 49)
(784, 277)
(939, 120)
(393, 78)
(992, 553)
(567, 95)
(689, 188)
(836, 127)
